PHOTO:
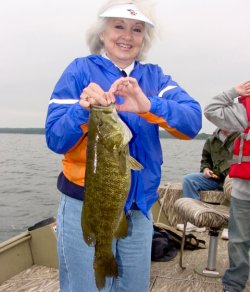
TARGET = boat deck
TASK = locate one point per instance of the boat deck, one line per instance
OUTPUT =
(35, 279)
(168, 276)
(165, 276)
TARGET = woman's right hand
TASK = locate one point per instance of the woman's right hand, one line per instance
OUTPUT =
(93, 94)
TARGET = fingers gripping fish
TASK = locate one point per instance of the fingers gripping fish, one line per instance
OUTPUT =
(107, 184)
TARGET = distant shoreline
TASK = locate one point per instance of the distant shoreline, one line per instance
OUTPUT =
(41, 131)
(22, 131)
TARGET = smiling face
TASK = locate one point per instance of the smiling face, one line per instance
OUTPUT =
(123, 39)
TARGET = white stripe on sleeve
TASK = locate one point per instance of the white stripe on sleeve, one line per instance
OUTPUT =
(63, 101)
(166, 89)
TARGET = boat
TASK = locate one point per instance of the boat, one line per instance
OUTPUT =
(28, 262)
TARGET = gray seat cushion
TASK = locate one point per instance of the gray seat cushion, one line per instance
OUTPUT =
(200, 214)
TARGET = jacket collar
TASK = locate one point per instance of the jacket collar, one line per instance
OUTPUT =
(229, 139)
(108, 65)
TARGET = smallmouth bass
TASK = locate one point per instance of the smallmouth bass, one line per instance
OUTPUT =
(107, 184)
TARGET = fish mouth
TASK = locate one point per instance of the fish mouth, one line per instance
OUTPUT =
(109, 107)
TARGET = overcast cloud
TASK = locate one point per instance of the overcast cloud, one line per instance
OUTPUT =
(203, 45)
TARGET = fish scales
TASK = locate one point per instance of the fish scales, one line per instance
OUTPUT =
(107, 183)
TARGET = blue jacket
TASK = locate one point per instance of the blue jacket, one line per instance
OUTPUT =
(66, 124)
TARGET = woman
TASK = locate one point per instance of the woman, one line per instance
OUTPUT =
(145, 99)
(224, 112)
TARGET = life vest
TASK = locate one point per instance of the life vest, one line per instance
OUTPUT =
(240, 166)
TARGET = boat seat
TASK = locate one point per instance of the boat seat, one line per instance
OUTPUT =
(227, 189)
(171, 192)
(203, 215)
(213, 197)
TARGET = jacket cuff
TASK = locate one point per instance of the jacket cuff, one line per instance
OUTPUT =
(154, 105)
(232, 93)
(80, 113)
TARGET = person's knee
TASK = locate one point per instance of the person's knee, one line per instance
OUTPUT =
(186, 179)
(190, 187)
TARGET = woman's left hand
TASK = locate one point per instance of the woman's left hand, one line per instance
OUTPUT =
(134, 98)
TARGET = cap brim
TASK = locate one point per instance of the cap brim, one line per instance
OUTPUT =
(129, 11)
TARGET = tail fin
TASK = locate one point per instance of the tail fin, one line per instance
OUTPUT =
(104, 266)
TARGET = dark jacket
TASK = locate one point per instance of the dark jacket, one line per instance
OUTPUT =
(216, 155)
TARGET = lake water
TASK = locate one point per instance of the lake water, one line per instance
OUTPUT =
(29, 171)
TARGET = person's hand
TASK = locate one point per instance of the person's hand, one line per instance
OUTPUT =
(93, 94)
(209, 173)
(243, 89)
(134, 99)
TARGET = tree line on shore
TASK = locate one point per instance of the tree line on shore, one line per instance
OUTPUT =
(41, 131)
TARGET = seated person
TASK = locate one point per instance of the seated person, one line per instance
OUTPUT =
(215, 162)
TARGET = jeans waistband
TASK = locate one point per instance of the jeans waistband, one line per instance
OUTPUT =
(70, 189)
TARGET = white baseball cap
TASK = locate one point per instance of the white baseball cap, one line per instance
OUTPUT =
(126, 11)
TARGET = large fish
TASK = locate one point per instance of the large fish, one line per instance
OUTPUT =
(107, 183)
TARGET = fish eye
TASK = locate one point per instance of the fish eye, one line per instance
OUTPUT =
(100, 123)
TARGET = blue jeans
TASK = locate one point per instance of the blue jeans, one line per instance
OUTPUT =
(133, 253)
(194, 182)
(236, 276)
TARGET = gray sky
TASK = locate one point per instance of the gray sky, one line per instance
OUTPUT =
(203, 44)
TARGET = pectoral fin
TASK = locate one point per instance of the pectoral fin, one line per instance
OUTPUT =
(128, 161)
(134, 164)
